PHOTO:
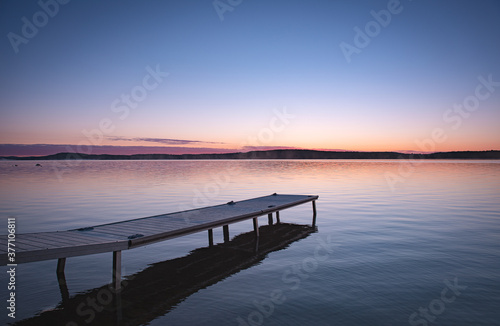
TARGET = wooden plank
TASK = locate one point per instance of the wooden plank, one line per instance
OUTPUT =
(80, 236)
(223, 215)
(151, 223)
(125, 231)
(98, 236)
(56, 253)
(155, 224)
(90, 240)
(56, 239)
(134, 228)
(33, 243)
(24, 247)
(146, 226)
(131, 224)
(111, 232)
(48, 241)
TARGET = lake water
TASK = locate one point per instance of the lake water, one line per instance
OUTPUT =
(397, 243)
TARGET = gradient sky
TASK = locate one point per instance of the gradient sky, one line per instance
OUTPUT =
(228, 77)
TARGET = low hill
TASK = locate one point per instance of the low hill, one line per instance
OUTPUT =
(270, 155)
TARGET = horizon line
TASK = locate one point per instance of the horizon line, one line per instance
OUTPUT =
(279, 148)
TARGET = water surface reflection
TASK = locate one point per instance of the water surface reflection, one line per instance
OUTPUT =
(154, 291)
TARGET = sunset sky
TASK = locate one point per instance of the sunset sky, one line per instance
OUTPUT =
(197, 76)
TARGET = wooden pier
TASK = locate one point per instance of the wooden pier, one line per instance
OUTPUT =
(115, 237)
(157, 289)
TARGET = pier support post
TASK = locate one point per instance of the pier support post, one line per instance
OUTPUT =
(210, 238)
(61, 280)
(225, 229)
(270, 219)
(256, 232)
(117, 269)
(278, 217)
(314, 213)
(61, 263)
(256, 227)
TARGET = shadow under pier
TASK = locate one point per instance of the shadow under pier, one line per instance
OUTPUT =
(156, 290)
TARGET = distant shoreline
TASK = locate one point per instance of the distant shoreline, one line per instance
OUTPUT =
(271, 154)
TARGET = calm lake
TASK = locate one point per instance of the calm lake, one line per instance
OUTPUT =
(397, 243)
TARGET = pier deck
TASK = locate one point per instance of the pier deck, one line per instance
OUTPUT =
(124, 235)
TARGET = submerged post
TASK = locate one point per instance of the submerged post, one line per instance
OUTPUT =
(210, 238)
(61, 280)
(225, 229)
(256, 232)
(314, 213)
(118, 307)
(61, 263)
(117, 269)
(270, 218)
(256, 227)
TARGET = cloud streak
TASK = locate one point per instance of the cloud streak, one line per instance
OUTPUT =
(164, 141)
(265, 148)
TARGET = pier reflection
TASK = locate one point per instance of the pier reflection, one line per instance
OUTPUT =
(156, 290)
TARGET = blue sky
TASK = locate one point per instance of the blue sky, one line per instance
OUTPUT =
(224, 80)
